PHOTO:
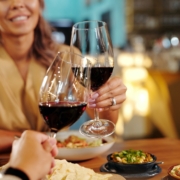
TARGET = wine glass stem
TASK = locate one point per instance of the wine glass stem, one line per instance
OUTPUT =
(97, 122)
(52, 134)
(96, 114)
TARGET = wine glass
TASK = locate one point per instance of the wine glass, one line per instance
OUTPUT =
(92, 40)
(64, 91)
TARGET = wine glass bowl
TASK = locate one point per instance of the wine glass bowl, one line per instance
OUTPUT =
(92, 40)
(62, 97)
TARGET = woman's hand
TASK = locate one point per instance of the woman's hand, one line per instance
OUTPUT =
(110, 96)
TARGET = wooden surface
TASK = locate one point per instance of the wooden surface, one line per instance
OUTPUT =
(165, 149)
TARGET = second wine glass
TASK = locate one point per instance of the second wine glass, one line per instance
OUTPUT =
(64, 91)
(92, 39)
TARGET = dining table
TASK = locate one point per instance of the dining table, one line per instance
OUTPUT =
(166, 150)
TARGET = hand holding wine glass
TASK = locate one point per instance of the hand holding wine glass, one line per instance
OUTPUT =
(64, 91)
(92, 39)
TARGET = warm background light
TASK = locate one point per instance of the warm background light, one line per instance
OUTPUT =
(134, 74)
(127, 59)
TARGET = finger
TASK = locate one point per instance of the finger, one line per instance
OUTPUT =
(47, 146)
(107, 102)
(118, 91)
(112, 108)
(40, 137)
(15, 142)
(54, 151)
(52, 165)
(52, 141)
(50, 146)
(106, 99)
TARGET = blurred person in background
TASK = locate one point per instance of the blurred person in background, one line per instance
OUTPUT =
(26, 51)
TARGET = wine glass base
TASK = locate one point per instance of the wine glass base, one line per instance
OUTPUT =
(96, 129)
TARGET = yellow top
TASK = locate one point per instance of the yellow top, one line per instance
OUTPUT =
(19, 100)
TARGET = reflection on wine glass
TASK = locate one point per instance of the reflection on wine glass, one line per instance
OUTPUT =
(64, 91)
(92, 39)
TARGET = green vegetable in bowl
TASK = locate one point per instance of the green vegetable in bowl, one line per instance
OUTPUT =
(132, 157)
(94, 143)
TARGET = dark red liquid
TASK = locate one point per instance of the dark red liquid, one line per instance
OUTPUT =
(99, 75)
(61, 114)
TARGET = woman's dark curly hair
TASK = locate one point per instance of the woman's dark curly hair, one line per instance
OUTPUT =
(44, 48)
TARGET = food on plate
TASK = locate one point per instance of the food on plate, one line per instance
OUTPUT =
(175, 172)
(93, 149)
(74, 141)
(132, 157)
(64, 170)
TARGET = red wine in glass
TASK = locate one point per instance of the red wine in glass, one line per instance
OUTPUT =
(99, 75)
(61, 114)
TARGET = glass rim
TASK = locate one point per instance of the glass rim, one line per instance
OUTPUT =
(88, 22)
(71, 53)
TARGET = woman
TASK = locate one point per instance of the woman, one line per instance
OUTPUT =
(26, 50)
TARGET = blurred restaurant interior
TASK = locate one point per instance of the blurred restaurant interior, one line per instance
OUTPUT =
(145, 35)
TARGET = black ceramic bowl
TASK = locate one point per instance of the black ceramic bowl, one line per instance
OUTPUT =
(132, 168)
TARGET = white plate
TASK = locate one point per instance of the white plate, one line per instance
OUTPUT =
(79, 154)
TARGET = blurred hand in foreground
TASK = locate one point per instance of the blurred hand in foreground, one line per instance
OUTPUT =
(34, 154)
